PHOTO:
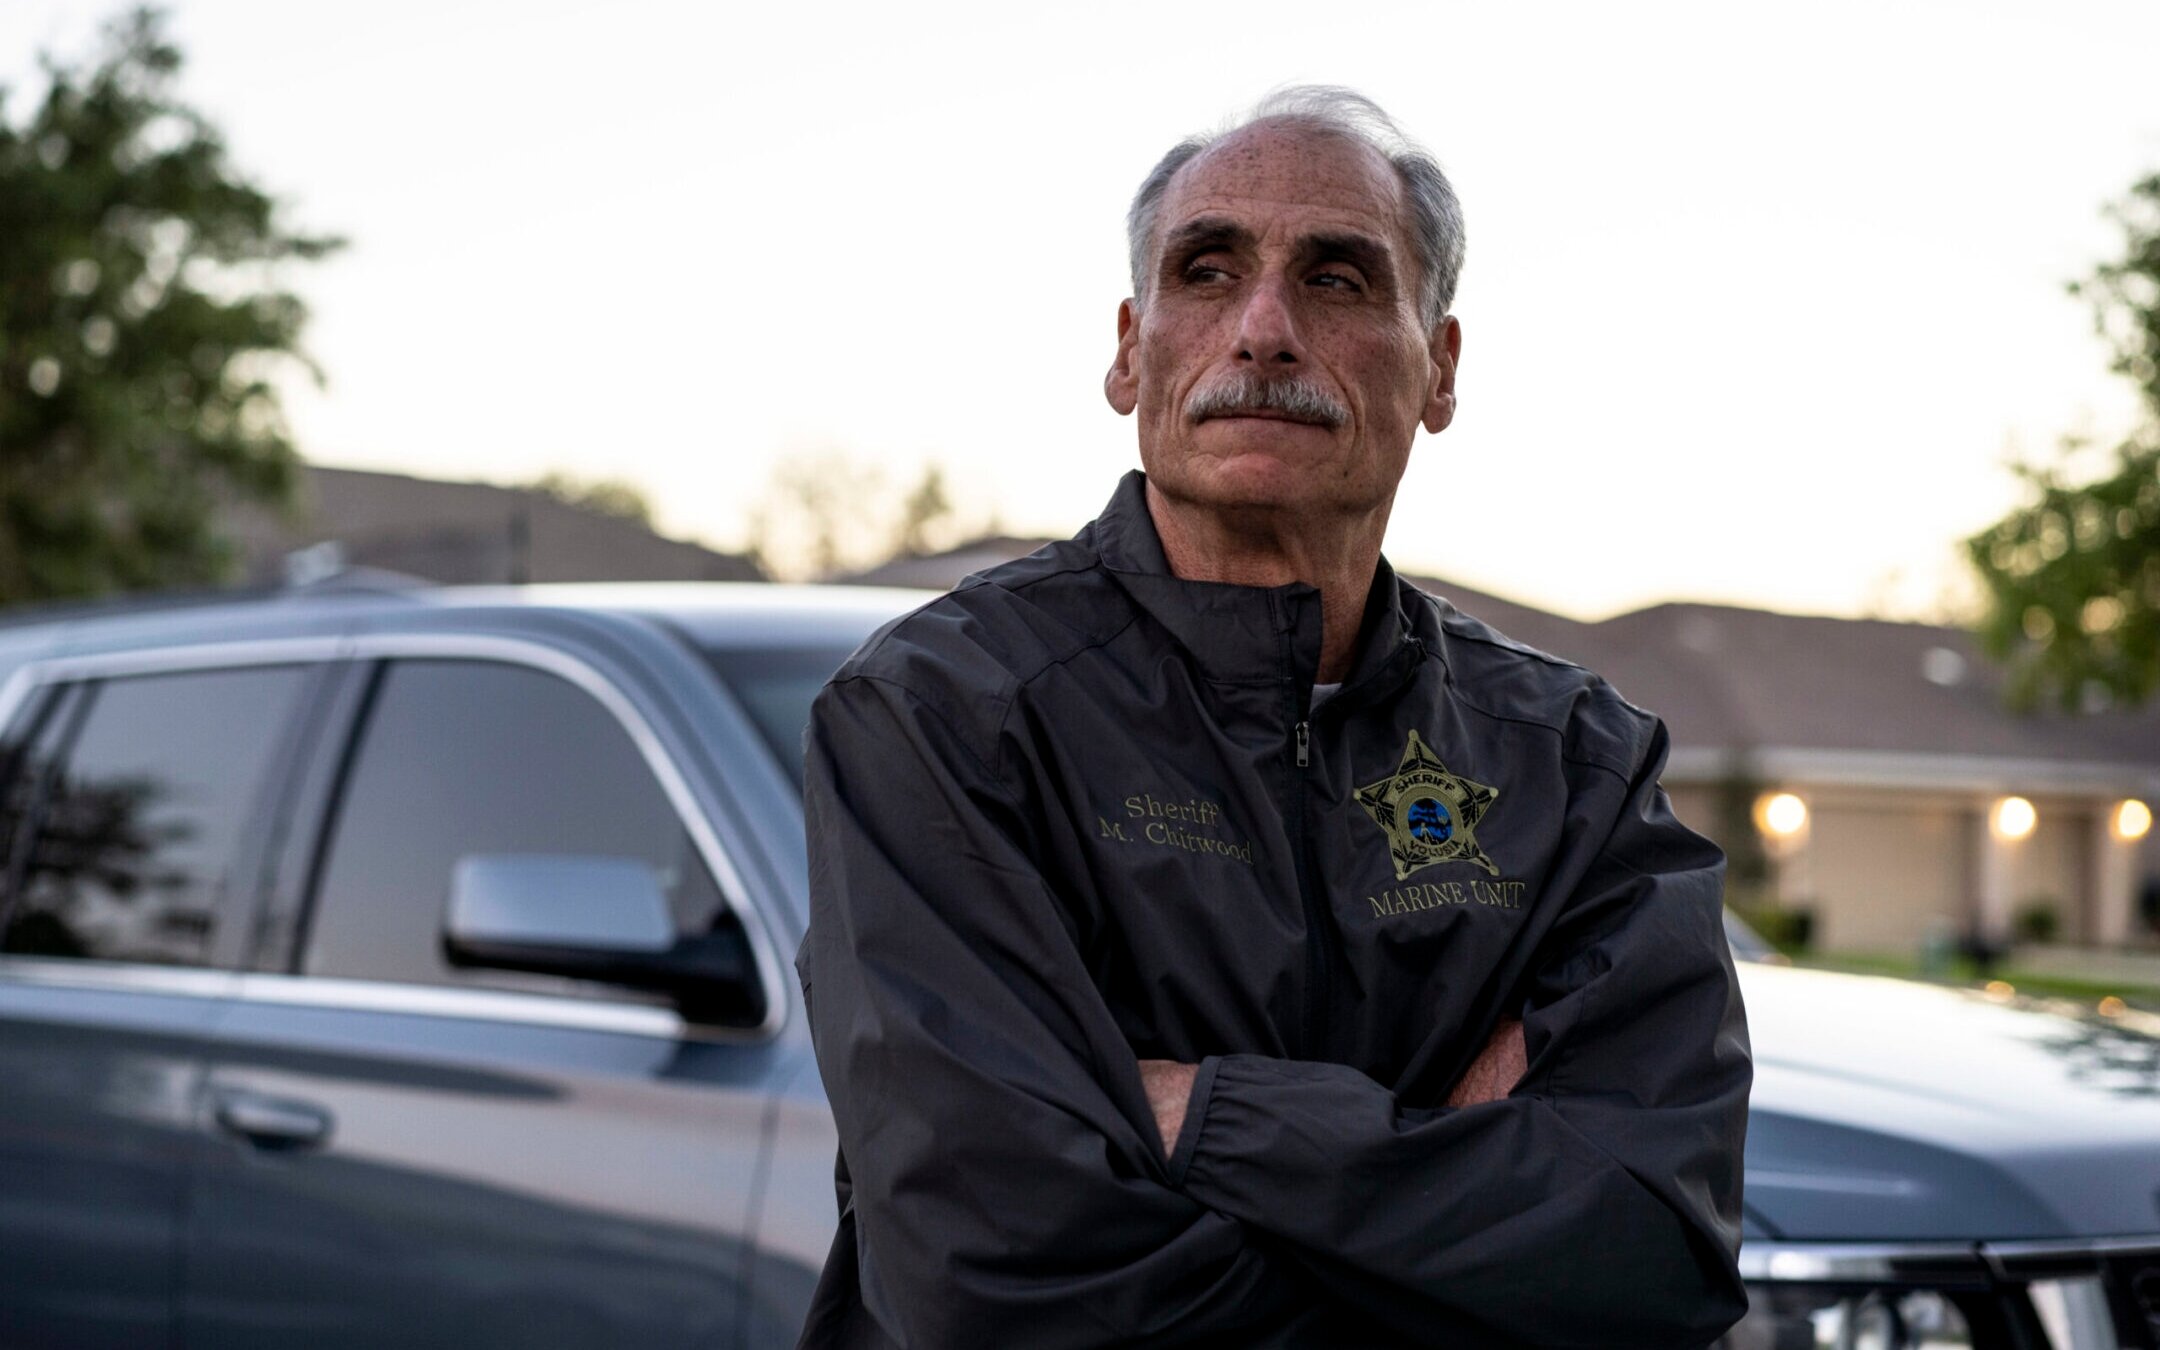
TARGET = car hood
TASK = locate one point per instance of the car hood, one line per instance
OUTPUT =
(1892, 1110)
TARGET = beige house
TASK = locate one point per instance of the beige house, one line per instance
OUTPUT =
(1873, 762)
(1923, 804)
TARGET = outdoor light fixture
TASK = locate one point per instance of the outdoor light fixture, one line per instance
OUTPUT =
(2132, 819)
(1780, 815)
(2013, 818)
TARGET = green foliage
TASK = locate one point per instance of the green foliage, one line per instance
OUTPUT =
(2126, 293)
(1789, 929)
(2073, 582)
(140, 322)
(2037, 920)
(618, 497)
(2072, 578)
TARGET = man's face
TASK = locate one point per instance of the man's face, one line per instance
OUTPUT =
(1278, 360)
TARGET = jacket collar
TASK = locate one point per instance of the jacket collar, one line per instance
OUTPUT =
(1243, 634)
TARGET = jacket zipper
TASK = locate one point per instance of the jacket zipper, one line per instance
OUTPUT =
(1319, 924)
(1319, 927)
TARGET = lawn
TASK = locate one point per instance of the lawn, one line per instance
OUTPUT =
(1962, 972)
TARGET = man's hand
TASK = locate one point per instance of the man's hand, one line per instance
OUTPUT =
(1169, 1092)
(1493, 1074)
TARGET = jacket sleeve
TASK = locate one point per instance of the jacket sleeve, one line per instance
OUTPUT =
(1599, 1204)
(1008, 1186)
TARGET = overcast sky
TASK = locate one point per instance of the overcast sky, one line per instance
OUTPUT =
(1758, 298)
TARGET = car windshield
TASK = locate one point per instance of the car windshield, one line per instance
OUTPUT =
(1747, 944)
(776, 685)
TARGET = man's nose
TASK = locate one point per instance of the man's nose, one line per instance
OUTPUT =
(1267, 332)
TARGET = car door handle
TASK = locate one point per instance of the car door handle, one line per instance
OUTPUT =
(272, 1122)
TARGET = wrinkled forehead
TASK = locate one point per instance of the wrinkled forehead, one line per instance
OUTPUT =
(1275, 176)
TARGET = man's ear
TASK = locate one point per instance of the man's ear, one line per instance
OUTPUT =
(1440, 392)
(1121, 386)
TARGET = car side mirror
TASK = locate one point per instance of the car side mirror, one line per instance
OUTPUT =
(593, 904)
(595, 918)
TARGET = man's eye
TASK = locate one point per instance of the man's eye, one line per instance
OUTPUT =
(1200, 271)
(1339, 281)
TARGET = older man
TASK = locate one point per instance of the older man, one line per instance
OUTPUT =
(1216, 940)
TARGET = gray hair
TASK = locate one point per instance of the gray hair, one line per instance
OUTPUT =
(1435, 214)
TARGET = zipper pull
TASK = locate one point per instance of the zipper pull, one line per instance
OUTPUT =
(1304, 744)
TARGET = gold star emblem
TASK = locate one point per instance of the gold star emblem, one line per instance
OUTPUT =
(1429, 814)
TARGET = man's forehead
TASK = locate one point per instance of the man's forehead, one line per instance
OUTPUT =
(1289, 174)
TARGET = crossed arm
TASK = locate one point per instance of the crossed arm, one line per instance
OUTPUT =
(1491, 1076)
(1019, 1178)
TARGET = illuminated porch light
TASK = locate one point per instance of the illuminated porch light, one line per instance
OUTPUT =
(2132, 819)
(2013, 818)
(1780, 815)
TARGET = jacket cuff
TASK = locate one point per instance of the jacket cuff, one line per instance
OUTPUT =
(1188, 1143)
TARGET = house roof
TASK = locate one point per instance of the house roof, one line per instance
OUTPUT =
(466, 533)
(1730, 679)
(943, 571)
(1728, 676)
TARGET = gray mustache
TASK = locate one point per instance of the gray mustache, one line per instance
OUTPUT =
(1243, 392)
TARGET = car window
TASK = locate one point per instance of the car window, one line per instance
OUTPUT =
(26, 763)
(136, 838)
(458, 758)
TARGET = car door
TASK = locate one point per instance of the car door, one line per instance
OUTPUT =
(134, 816)
(420, 1154)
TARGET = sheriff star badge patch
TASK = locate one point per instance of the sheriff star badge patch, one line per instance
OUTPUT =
(1429, 814)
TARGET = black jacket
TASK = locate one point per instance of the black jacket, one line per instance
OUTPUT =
(1079, 812)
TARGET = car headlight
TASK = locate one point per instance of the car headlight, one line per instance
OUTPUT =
(1812, 1317)
(1808, 1296)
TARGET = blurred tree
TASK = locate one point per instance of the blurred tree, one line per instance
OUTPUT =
(926, 506)
(618, 497)
(140, 322)
(2072, 578)
(799, 528)
(825, 514)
